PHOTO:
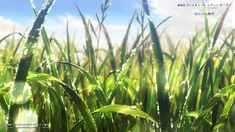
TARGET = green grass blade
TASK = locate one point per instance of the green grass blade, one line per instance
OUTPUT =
(9, 35)
(89, 48)
(227, 107)
(127, 110)
(81, 105)
(3, 103)
(124, 70)
(27, 55)
(61, 123)
(206, 25)
(111, 53)
(125, 41)
(218, 29)
(163, 99)
(58, 44)
(214, 100)
(98, 91)
(102, 65)
(68, 43)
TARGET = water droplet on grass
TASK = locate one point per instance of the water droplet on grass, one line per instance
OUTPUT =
(25, 52)
(133, 107)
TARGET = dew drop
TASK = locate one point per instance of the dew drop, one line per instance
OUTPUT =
(25, 52)
(133, 107)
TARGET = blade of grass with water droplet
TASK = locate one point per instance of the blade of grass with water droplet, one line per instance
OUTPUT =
(125, 41)
(124, 109)
(163, 99)
(124, 69)
(27, 55)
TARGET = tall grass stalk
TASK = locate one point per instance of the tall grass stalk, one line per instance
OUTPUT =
(25, 61)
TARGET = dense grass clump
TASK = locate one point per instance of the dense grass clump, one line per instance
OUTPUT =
(131, 88)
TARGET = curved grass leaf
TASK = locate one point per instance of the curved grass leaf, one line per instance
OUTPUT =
(81, 105)
(208, 107)
(227, 107)
(99, 93)
(4, 38)
(125, 109)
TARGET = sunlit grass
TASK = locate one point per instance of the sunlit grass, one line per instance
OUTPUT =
(141, 88)
(26, 121)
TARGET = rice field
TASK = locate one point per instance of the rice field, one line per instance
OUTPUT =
(45, 85)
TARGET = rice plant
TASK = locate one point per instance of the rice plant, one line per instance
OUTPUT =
(135, 87)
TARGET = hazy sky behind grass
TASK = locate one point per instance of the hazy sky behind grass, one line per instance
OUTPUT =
(17, 14)
(20, 10)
